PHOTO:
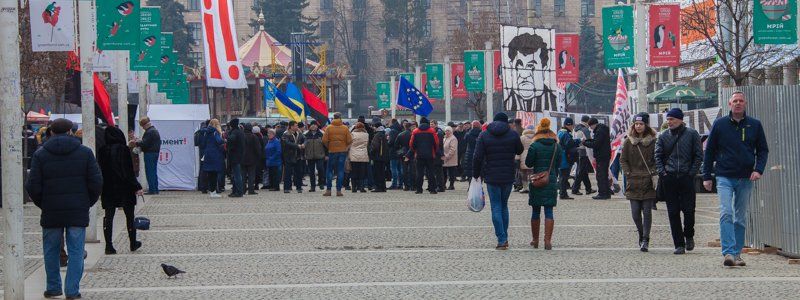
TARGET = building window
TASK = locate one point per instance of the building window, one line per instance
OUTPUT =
(393, 58)
(427, 30)
(359, 4)
(360, 60)
(426, 3)
(326, 29)
(330, 56)
(425, 53)
(537, 8)
(587, 8)
(194, 5)
(197, 58)
(326, 4)
(196, 31)
(559, 8)
(359, 30)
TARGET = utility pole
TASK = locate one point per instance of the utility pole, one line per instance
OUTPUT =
(393, 95)
(641, 56)
(349, 98)
(448, 98)
(488, 63)
(11, 144)
(86, 38)
(417, 83)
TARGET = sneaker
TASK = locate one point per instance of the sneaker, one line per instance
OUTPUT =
(566, 197)
(729, 261)
(214, 195)
(49, 294)
(679, 251)
(739, 261)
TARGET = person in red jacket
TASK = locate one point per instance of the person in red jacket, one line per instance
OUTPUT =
(423, 147)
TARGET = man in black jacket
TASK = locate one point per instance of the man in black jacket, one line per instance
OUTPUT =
(424, 148)
(252, 157)
(236, 148)
(438, 169)
(64, 181)
(199, 142)
(403, 140)
(601, 144)
(292, 145)
(150, 146)
(379, 152)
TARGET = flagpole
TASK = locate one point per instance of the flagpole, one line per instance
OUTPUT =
(641, 57)
(122, 90)
(393, 96)
(489, 80)
(448, 98)
(417, 82)
(86, 25)
(349, 98)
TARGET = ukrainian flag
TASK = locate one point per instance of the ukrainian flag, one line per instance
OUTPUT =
(291, 105)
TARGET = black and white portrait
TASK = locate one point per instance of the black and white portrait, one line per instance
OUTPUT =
(528, 63)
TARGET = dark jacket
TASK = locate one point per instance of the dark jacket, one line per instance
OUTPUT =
(213, 157)
(116, 164)
(272, 152)
(737, 148)
(469, 140)
(200, 139)
(538, 159)
(236, 145)
(314, 147)
(64, 182)
(601, 142)
(424, 143)
(462, 146)
(638, 163)
(495, 153)
(570, 147)
(402, 143)
(586, 133)
(151, 141)
(379, 149)
(290, 146)
(252, 149)
(686, 157)
(396, 148)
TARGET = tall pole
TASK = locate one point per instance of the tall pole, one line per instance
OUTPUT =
(448, 98)
(531, 12)
(144, 96)
(122, 90)
(11, 144)
(641, 57)
(349, 98)
(417, 82)
(86, 38)
(489, 80)
(393, 96)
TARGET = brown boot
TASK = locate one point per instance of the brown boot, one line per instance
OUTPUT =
(327, 193)
(548, 234)
(535, 233)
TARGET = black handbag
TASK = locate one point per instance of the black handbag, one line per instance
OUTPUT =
(141, 223)
(660, 189)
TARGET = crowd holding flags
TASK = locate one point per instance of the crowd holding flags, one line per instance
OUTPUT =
(295, 103)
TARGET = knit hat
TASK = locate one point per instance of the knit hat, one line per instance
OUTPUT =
(676, 113)
(569, 122)
(644, 117)
(544, 125)
(61, 126)
(476, 124)
(424, 120)
(501, 116)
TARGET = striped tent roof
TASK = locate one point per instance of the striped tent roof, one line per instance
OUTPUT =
(259, 49)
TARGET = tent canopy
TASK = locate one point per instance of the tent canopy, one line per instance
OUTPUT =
(261, 47)
(681, 94)
(178, 112)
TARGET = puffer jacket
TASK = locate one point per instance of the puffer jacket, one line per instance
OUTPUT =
(686, 157)
(638, 171)
(337, 137)
(539, 159)
(450, 150)
(469, 152)
(424, 143)
(527, 140)
(379, 149)
(272, 151)
(494, 154)
(358, 149)
(314, 147)
(601, 142)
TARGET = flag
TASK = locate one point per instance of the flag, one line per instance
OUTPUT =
(223, 66)
(72, 90)
(620, 117)
(102, 102)
(315, 107)
(410, 97)
(290, 105)
(270, 91)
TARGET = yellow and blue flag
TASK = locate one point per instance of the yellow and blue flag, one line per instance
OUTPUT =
(290, 105)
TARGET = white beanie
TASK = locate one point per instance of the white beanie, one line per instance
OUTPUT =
(256, 129)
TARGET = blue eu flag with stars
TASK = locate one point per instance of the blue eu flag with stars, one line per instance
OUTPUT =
(410, 97)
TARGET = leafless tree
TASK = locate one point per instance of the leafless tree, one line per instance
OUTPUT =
(354, 43)
(473, 36)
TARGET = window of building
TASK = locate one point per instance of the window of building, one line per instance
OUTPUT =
(427, 30)
(559, 8)
(360, 60)
(393, 58)
(587, 8)
(326, 4)
(326, 29)
(537, 8)
(359, 30)
(196, 31)
(425, 53)
(359, 4)
(330, 56)
(197, 58)
(194, 5)
(426, 3)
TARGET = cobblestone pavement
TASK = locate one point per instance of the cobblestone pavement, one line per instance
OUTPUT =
(402, 245)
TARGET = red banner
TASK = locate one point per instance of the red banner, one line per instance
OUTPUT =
(665, 37)
(568, 58)
(423, 82)
(498, 72)
(457, 86)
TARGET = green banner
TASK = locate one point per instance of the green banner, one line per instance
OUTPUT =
(774, 21)
(146, 56)
(435, 88)
(618, 47)
(118, 24)
(474, 65)
(167, 60)
(408, 76)
(383, 92)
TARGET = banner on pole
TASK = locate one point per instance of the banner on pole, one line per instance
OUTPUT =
(568, 53)
(665, 37)
(498, 70)
(118, 24)
(529, 69)
(382, 92)
(474, 67)
(620, 117)
(423, 82)
(166, 60)
(223, 66)
(52, 25)
(147, 54)
(457, 88)
(618, 46)
(774, 21)
(435, 81)
(408, 76)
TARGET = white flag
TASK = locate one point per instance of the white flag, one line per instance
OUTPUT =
(622, 113)
(52, 25)
(223, 67)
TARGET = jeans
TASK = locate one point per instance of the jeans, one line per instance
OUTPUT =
(642, 213)
(316, 178)
(563, 180)
(151, 171)
(536, 213)
(335, 162)
(734, 196)
(498, 198)
(294, 171)
(51, 245)
(681, 198)
(396, 165)
(409, 172)
(236, 177)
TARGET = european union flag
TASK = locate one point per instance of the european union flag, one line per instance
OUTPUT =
(410, 97)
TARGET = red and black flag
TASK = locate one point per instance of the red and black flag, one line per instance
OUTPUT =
(315, 108)
(72, 91)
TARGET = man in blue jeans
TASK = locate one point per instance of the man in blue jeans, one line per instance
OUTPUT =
(739, 147)
(494, 161)
(337, 140)
(64, 181)
(150, 146)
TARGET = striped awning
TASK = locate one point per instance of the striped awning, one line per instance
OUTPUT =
(259, 50)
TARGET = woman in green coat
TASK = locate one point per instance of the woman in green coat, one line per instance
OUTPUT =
(638, 162)
(544, 154)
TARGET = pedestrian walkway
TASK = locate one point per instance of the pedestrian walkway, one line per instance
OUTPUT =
(401, 245)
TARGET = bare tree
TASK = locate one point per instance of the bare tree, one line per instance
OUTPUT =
(351, 37)
(473, 36)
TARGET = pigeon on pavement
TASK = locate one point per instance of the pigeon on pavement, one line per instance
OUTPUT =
(171, 270)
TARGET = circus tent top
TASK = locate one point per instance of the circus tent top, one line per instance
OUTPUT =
(260, 48)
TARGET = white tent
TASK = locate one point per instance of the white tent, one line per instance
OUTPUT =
(178, 161)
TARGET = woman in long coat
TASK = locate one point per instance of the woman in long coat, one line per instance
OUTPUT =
(213, 157)
(470, 138)
(450, 159)
(120, 186)
(638, 163)
(544, 154)
(359, 158)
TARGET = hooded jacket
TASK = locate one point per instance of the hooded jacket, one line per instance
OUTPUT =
(337, 137)
(495, 151)
(235, 143)
(424, 142)
(272, 151)
(527, 140)
(359, 148)
(402, 142)
(540, 157)
(116, 164)
(64, 181)
(213, 155)
(638, 162)
(379, 149)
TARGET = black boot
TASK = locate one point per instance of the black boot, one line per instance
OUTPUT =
(132, 237)
(645, 244)
(107, 234)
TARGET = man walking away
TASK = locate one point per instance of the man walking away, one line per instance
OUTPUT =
(292, 148)
(150, 146)
(424, 148)
(252, 157)
(200, 143)
(601, 144)
(337, 139)
(582, 132)
(379, 151)
(315, 156)
(403, 141)
(236, 146)
(678, 157)
(64, 181)
(738, 146)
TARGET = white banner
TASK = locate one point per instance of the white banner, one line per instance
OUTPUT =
(221, 49)
(103, 62)
(52, 25)
(176, 161)
(133, 82)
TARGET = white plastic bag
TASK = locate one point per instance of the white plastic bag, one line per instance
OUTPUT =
(476, 199)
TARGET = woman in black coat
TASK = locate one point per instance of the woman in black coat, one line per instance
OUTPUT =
(120, 186)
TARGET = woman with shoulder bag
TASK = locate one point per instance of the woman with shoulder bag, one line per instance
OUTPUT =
(638, 163)
(544, 157)
(120, 186)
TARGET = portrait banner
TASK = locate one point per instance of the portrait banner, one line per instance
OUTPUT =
(474, 64)
(528, 68)
(118, 24)
(382, 92)
(147, 54)
(52, 25)
(568, 53)
(774, 21)
(618, 46)
(435, 80)
(665, 37)
(498, 70)
(457, 88)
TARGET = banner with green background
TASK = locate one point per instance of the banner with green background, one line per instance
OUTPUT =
(474, 65)
(774, 21)
(118, 24)
(618, 46)
(146, 56)
(408, 76)
(383, 95)
(167, 59)
(435, 87)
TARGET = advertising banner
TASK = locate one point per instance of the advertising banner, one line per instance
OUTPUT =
(457, 88)
(147, 54)
(223, 66)
(408, 76)
(177, 160)
(774, 21)
(166, 60)
(382, 92)
(529, 68)
(118, 24)
(568, 53)
(618, 46)
(52, 25)
(498, 70)
(474, 67)
(435, 81)
(665, 37)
